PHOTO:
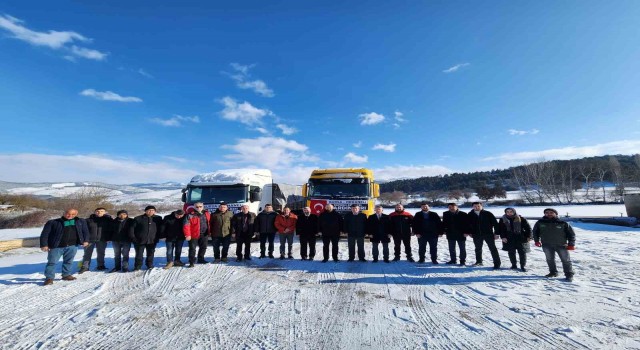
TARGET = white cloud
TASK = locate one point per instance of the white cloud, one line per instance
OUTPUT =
(287, 130)
(109, 96)
(176, 120)
(88, 53)
(626, 147)
(371, 118)
(52, 39)
(243, 81)
(354, 158)
(523, 132)
(144, 73)
(396, 125)
(399, 116)
(357, 144)
(387, 148)
(243, 112)
(28, 167)
(268, 152)
(409, 171)
(455, 68)
(261, 130)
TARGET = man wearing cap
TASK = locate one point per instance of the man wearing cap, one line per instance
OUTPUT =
(555, 236)
(120, 241)
(60, 238)
(174, 237)
(355, 224)
(307, 229)
(143, 233)
(197, 229)
(221, 230)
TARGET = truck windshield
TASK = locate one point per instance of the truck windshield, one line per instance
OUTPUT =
(338, 188)
(217, 194)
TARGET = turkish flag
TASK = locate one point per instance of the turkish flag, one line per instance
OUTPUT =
(317, 206)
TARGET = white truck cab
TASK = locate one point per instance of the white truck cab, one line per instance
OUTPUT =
(237, 187)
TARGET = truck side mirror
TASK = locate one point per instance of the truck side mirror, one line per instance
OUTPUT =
(376, 190)
(304, 190)
(255, 195)
(184, 197)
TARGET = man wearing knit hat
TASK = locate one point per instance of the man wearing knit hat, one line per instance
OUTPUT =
(555, 236)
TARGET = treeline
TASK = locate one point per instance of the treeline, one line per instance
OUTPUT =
(557, 181)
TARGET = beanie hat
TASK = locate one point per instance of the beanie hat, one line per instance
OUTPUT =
(148, 207)
(122, 212)
(551, 209)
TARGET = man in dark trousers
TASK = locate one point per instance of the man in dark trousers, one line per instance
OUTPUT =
(330, 225)
(379, 229)
(355, 224)
(266, 228)
(100, 225)
(307, 229)
(143, 233)
(60, 238)
(197, 229)
(174, 237)
(243, 231)
(483, 227)
(120, 241)
(555, 236)
(221, 233)
(427, 227)
(401, 230)
(455, 225)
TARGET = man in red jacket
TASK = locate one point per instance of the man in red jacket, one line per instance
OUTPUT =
(197, 228)
(286, 226)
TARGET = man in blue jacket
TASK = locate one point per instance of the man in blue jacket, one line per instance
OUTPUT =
(60, 238)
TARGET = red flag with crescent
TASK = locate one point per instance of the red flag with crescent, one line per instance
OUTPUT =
(317, 206)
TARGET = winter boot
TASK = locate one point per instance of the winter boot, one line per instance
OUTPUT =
(569, 278)
(479, 263)
(178, 263)
(421, 261)
(68, 278)
(435, 262)
(48, 281)
(410, 259)
(551, 274)
(451, 262)
(169, 265)
(101, 268)
(83, 269)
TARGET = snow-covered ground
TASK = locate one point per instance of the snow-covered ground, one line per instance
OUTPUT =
(274, 304)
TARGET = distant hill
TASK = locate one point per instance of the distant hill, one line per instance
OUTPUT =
(549, 180)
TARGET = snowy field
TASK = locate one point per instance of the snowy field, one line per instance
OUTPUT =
(292, 304)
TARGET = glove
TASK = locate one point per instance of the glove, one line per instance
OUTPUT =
(504, 240)
(538, 244)
(571, 247)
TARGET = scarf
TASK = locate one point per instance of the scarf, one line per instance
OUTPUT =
(517, 227)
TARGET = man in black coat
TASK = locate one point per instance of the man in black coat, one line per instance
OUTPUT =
(355, 224)
(120, 241)
(242, 225)
(173, 234)
(100, 225)
(266, 229)
(401, 221)
(427, 227)
(307, 229)
(60, 238)
(455, 225)
(143, 233)
(379, 229)
(483, 227)
(330, 225)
